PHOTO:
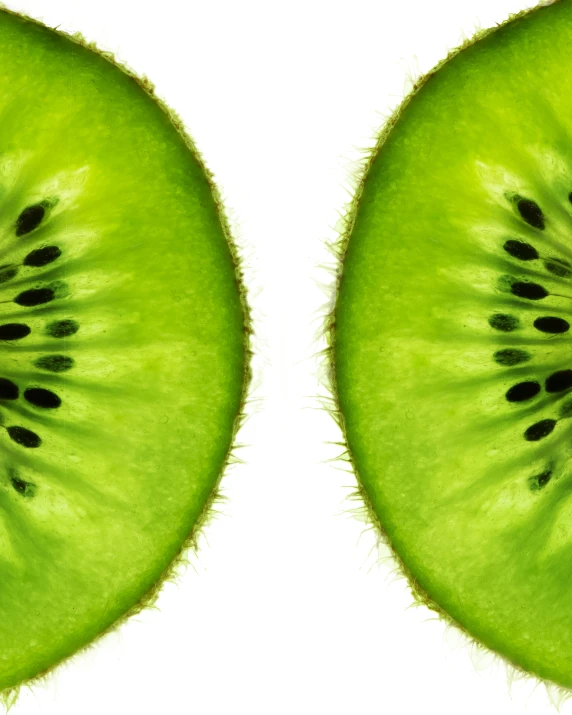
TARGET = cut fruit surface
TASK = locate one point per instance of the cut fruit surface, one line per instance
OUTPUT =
(452, 345)
(122, 342)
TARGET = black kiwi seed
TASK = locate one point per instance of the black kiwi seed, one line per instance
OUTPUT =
(30, 218)
(26, 489)
(523, 391)
(504, 323)
(8, 389)
(42, 256)
(540, 480)
(54, 363)
(539, 430)
(510, 356)
(521, 250)
(7, 273)
(531, 291)
(62, 328)
(552, 325)
(566, 410)
(531, 213)
(35, 296)
(40, 397)
(559, 381)
(24, 437)
(18, 484)
(14, 331)
(557, 269)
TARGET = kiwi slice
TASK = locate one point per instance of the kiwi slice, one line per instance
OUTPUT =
(452, 340)
(123, 345)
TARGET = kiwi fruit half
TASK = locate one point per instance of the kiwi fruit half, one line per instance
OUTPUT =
(452, 339)
(123, 340)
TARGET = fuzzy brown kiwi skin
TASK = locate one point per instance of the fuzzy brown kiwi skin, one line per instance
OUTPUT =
(212, 507)
(364, 512)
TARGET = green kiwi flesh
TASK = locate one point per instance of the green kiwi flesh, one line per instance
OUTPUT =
(122, 340)
(452, 346)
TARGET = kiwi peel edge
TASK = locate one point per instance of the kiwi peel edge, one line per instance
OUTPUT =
(211, 509)
(359, 505)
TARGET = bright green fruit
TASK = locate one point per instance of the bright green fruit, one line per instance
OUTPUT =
(122, 336)
(452, 340)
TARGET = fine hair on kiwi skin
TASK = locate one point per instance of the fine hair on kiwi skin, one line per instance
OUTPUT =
(63, 329)
(339, 250)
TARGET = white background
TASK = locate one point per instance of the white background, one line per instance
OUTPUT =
(288, 608)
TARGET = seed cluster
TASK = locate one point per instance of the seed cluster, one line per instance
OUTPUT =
(34, 396)
(558, 384)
